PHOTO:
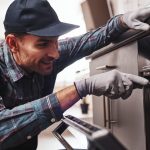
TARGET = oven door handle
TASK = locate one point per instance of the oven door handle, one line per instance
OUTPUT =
(106, 67)
(57, 133)
(98, 138)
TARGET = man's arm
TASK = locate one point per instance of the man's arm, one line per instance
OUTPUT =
(67, 97)
(113, 84)
(72, 49)
(23, 122)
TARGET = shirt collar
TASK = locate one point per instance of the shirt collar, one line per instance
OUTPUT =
(13, 70)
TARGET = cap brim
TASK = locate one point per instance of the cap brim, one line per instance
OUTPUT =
(54, 30)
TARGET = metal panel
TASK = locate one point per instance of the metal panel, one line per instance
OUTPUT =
(129, 113)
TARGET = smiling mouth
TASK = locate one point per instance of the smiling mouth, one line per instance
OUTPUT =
(46, 62)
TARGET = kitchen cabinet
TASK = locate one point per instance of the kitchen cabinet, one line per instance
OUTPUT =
(124, 118)
(122, 6)
(95, 13)
(127, 119)
(143, 3)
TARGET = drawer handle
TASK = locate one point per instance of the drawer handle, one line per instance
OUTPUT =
(107, 114)
(106, 67)
(104, 107)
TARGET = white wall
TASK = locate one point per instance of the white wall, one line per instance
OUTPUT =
(3, 7)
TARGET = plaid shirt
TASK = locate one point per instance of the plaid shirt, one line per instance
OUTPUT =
(26, 105)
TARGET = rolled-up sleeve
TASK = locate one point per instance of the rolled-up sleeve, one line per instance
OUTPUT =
(23, 122)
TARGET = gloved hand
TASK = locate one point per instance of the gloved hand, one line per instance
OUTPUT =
(135, 19)
(113, 84)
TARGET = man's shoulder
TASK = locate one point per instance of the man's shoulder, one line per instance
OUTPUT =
(1, 49)
(2, 41)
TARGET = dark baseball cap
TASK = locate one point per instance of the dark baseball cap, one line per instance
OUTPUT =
(34, 17)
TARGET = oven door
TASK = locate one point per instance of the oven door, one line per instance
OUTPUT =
(97, 138)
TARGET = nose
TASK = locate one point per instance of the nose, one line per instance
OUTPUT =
(53, 51)
(54, 54)
(57, 54)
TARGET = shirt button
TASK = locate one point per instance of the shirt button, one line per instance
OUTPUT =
(53, 120)
(29, 137)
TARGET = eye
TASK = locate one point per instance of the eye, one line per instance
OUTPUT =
(43, 44)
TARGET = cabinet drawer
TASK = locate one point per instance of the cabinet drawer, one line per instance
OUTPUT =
(123, 59)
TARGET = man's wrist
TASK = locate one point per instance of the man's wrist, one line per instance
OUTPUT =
(81, 88)
(122, 23)
(77, 91)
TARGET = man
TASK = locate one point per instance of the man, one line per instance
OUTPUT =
(31, 56)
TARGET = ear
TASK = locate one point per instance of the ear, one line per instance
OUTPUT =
(11, 40)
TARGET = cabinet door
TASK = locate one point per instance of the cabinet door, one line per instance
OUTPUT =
(128, 114)
(95, 13)
(100, 109)
(143, 3)
(122, 6)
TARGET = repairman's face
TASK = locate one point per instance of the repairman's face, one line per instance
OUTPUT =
(35, 53)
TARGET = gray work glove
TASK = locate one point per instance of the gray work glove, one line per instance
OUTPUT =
(135, 19)
(113, 84)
